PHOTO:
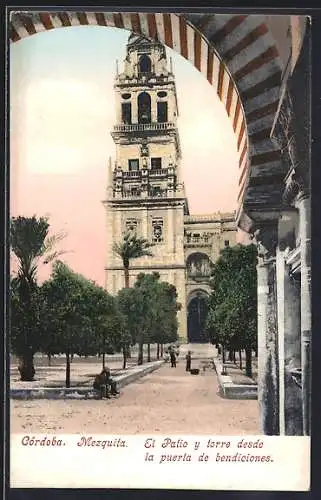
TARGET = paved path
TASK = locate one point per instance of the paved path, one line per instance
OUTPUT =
(167, 401)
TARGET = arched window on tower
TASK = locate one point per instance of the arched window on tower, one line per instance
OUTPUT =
(162, 114)
(126, 112)
(144, 108)
(145, 65)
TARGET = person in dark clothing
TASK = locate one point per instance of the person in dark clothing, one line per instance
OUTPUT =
(188, 361)
(173, 358)
(105, 384)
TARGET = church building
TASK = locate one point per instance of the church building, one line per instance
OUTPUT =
(145, 189)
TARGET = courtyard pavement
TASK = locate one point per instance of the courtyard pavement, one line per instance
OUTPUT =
(167, 401)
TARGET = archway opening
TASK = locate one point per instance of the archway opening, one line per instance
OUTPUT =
(145, 65)
(57, 150)
(196, 319)
(199, 266)
(144, 108)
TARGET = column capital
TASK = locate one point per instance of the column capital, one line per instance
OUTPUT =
(295, 187)
(266, 237)
(286, 229)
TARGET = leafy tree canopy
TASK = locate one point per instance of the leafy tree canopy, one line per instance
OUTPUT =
(232, 316)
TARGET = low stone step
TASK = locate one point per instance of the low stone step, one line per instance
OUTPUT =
(231, 390)
(82, 392)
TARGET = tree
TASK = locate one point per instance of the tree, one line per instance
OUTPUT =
(81, 317)
(132, 247)
(232, 317)
(128, 306)
(25, 325)
(165, 326)
(31, 244)
(150, 308)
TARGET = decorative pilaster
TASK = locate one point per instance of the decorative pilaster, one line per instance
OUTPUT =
(170, 236)
(118, 182)
(268, 369)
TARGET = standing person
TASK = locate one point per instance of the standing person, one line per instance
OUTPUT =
(173, 357)
(188, 361)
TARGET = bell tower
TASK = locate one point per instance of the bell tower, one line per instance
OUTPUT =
(145, 190)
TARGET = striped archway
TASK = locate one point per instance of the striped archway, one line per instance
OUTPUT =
(239, 57)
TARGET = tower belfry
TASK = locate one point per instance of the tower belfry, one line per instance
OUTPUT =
(145, 190)
(146, 136)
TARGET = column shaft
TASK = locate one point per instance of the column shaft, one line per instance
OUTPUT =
(289, 335)
(305, 242)
(268, 369)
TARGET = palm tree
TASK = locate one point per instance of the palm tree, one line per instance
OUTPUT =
(132, 247)
(31, 245)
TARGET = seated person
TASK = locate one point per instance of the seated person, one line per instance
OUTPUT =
(105, 384)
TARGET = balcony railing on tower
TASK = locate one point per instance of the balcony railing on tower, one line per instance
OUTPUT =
(137, 174)
(151, 193)
(143, 127)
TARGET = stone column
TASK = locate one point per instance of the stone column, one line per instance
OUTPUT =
(289, 328)
(153, 106)
(303, 203)
(268, 363)
(134, 104)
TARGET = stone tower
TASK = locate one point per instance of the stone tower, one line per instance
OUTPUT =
(145, 192)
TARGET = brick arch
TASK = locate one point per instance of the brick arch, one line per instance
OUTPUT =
(236, 54)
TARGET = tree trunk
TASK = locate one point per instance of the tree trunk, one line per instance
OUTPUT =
(72, 357)
(124, 356)
(49, 358)
(148, 353)
(230, 355)
(126, 275)
(248, 362)
(103, 360)
(26, 366)
(67, 369)
(234, 357)
(223, 360)
(157, 351)
(240, 358)
(140, 353)
(162, 350)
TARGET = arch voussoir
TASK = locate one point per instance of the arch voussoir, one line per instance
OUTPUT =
(236, 53)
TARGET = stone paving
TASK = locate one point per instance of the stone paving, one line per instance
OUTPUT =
(168, 401)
